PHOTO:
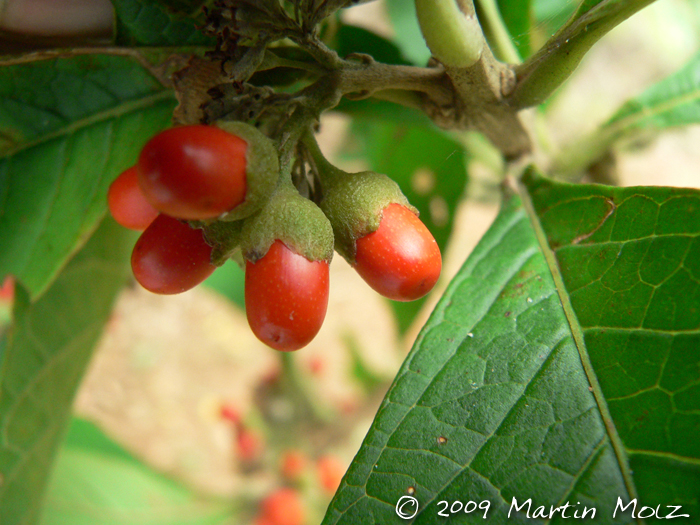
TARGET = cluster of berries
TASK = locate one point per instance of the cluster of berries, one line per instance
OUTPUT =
(202, 194)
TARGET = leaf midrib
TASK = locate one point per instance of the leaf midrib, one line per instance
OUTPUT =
(577, 334)
(631, 120)
(112, 113)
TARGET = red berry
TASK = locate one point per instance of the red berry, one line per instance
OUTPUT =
(283, 507)
(170, 257)
(286, 297)
(249, 445)
(316, 365)
(194, 172)
(330, 472)
(401, 259)
(229, 413)
(127, 204)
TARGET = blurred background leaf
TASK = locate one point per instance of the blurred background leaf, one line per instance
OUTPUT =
(518, 19)
(407, 34)
(43, 360)
(151, 23)
(675, 101)
(96, 482)
(349, 39)
(670, 103)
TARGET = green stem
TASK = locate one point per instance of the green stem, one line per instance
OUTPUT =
(294, 128)
(451, 31)
(409, 99)
(496, 33)
(327, 173)
(547, 69)
(325, 56)
(375, 76)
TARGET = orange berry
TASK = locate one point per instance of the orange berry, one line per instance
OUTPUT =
(293, 464)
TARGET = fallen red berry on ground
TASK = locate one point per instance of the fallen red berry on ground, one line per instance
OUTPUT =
(283, 507)
(330, 472)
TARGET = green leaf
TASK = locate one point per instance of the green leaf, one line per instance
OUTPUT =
(350, 39)
(86, 436)
(95, 482)
(549, 16)
(44, 358)
(429, 166)
(562, 365)
(192, 8)
(149, 23)
(517, 16)
(408, 36)
(675, 101)
(70, 125)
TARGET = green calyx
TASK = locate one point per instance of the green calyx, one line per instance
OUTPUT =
(262, 169)
(354, 202)
(223, 237)
(292, 219)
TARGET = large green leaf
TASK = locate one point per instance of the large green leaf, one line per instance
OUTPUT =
(150, 23)
(95, 482)
(562, 365)
(70, 125)
(429, 166)
(43, 360)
